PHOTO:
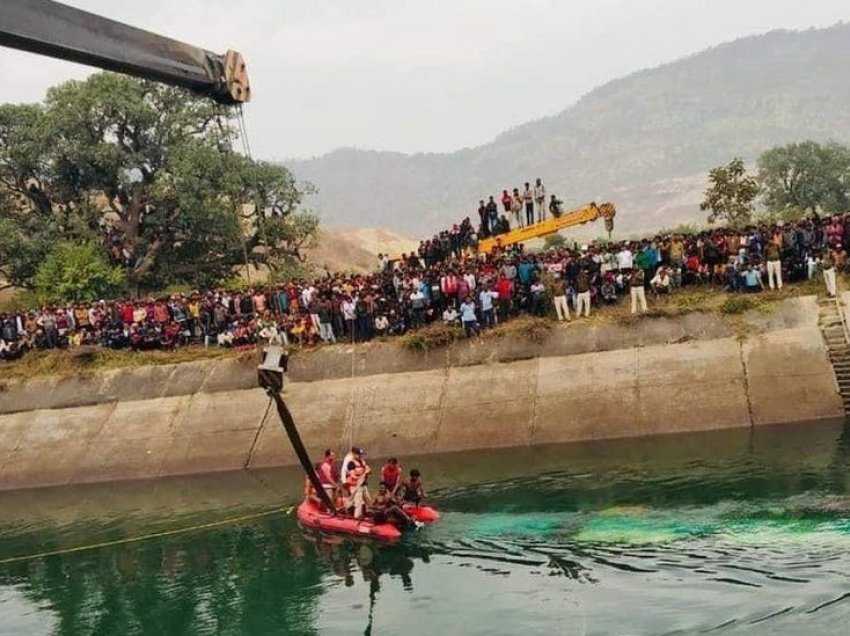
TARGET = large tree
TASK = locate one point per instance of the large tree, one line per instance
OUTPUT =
(150, 172)
(806, 176)
(731, 194)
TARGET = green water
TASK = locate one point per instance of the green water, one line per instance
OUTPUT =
(733, 532)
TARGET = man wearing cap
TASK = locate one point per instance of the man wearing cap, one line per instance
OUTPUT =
(354, 477)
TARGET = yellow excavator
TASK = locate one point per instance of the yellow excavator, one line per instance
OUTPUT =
(579, 216)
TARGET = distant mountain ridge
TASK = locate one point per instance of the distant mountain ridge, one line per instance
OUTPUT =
(644, 141)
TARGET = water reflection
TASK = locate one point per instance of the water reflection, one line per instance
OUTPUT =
(240, 579)
(370, 562)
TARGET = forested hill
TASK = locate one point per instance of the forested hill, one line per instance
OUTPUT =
(644, 141)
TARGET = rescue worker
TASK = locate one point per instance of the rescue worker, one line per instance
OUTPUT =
(349, 457)
(356, 474)
(329, 474)
(311, 496)
(411, 489)
(391, 473)
(383, 508)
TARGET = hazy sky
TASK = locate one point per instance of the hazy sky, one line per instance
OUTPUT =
(424, 75)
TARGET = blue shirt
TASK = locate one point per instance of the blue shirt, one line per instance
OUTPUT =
(752, 278)
(526, 271)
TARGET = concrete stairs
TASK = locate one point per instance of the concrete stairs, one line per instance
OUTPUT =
(836, 337)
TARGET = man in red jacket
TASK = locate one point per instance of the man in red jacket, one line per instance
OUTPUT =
(505, 289)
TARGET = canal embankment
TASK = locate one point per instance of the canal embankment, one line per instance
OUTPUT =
(698, 371)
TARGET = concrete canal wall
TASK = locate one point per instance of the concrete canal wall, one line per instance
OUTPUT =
(694, 372)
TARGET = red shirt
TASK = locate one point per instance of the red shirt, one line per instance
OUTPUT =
(328, 472)
(504, 287)
(390, 475)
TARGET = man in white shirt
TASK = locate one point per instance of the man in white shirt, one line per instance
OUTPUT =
(540, 199)
(625, 258)
(381, 325)
(417, 307)
(528, 199)
(488, 312)
(450, 316)
(661, 281)
(307, 295)
(468, 318)
(348, 315)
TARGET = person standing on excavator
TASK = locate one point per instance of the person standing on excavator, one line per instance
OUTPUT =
(528, 199)
(540, 199)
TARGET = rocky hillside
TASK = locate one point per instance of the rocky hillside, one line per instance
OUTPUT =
(644, 141)
(356, 250)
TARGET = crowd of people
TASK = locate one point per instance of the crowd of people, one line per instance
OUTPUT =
(445, 280)
(520, 208)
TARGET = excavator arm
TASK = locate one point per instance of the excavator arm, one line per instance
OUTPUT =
(579, 216)
(57, 30)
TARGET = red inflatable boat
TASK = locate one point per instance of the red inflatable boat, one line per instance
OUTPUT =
(311, 516)
(425, 514)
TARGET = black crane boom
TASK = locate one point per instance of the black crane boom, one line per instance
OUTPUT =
(57, 30)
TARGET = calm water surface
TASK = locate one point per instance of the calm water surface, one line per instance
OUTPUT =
(734, 532)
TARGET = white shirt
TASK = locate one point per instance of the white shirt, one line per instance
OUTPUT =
(539, 192)
(306, 296)
(343, 470)
(625, 259)
(486, 298)
(661, 280)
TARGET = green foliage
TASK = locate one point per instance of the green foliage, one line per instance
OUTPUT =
(554, 241)
(784, 215)
(76, 272)
(434, 336)
(154, 164)
(735, 305)
(530, 328)
(806, 176)
(731, 194)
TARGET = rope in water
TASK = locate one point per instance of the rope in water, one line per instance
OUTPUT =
(147, 537)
